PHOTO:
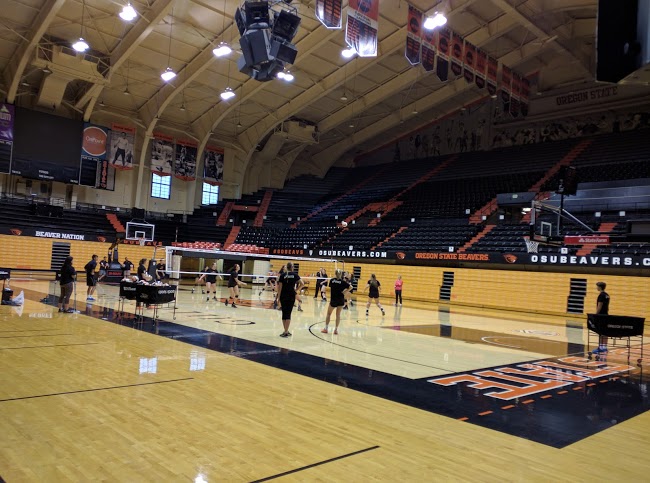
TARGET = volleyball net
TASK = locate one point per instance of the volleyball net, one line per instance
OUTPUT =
(257, 268)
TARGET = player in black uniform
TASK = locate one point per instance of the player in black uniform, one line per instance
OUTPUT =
(91, 283)
(288, 284)
(233, 285)
(142, 270)
(373, 294)
(602, 307)
(210, 277)
(339, 290)
(349, 277)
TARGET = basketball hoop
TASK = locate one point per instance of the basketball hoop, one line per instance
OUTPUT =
(142, 241)
(531, 246)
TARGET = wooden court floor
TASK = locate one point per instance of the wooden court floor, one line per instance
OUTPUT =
(424, 393)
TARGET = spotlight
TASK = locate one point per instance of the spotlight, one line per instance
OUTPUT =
(348, 53)
(222, 50)
(128, 13)
(227, 94)
(168, 75)
(80, 45)
(438, 20)
(285, 75)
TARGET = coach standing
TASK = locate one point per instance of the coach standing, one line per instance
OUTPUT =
(288, 284)
(91, 283)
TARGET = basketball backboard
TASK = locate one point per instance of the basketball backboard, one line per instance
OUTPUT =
(138, 231)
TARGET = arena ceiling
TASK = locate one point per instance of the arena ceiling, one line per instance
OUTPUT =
(357, 104)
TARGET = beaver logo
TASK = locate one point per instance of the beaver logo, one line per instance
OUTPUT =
(16, 231)
(400, 255)
(509, 257)
(101, 239)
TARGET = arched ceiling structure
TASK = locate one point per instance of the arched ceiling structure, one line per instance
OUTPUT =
(353, 102)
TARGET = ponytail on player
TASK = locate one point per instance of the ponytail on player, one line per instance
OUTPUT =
(373, 281)
(338, 274)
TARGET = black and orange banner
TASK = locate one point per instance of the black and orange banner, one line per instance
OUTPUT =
(429, 42)
(329, 12)
(162, 154)
(456, 54)
(525, 96)
(514, 99)
(444, 44)
(185, 162)
(505, 87)
(481, 66)
(492, 66)
(213, 166)
(121, 147)
(361, 31)
(413, 35)
(470, 61)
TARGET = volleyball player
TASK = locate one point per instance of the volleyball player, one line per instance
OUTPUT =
(283, 270)
(374, 288)
(210, 277)
(288, 284)
(66, 280)
(233, 285)
(349, 277)
(398, 290)
(339, 291)
(91, 283)
(323, 285)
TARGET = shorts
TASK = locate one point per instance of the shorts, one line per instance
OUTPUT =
(287, 308)
(90, 280)
(102, 272)
(337, 303)
(232, 286)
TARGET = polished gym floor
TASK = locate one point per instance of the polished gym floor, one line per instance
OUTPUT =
(422, 393)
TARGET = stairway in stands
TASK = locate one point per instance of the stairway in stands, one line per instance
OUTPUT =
(115, 222)
(487, 229)
(232, 236)
(225, 213)
(587, 248)
(392, 235)
(264, 207)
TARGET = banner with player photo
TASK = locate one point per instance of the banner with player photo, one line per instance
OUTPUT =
(329, 12)
(442, 64)
(506, 86)
(121, 147)
(456, 54)
(162, 154)
(481, 65)
(470, 59)
(185, 165)
(362, 27)
(514, 98)
(7, 116)
(429, 41)
(492, 66)
(413, 35)
(213, 166)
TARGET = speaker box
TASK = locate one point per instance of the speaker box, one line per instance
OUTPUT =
(617, 47)
(284, 51)
(568, 180)
(255, 47)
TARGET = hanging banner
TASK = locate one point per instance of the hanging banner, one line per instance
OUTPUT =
(442, 65)
(506, 86)
(7, 116)
(162, 154)
(456, 54)
(470, 60)
(481, 65)
(213, 166)
(514, 99)
(492, 66)
(185, 165)
(362, 27)
(429, 41)
(413, 35)
(122, 142)
(525, 96)
(94, 142)
(329, 13)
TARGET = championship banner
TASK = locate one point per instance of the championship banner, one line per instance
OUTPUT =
(492, 66)
(442, 66)
(481, 65)
(429, 41)
(470, 60)
(514, 99)
(413, 35)
(213, 166)
(7, 116)
(456, 54)
(525, 96)
(506, 86)
(122, 142)
(162, 154)
(329, 12)
(362, 26)
(185, 165)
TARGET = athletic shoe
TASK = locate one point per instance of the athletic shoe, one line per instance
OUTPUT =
(69, 311)
(345, 307)
(599, 350)
(60, 310)
(90, 298)
(225, 302)
(234, 306)
(336, 332)
(192, 290)
(366, 313)
(208, 299)
(285, 334)
(275, 305)
(382, 312)
(324, 331)
(299, 309)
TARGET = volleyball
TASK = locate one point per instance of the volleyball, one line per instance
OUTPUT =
(344, 224)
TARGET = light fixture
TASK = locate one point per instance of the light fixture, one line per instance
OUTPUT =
(285, 75)
(415, 111)
(101, 103)
(126, 92)
(344, 97)
(350, 125)
(239, 124)
(227, 94)
(47, 70)
(81, 45)
(438, 20)
(182, 108)
(168, 75)
(348, 53)
(128, 13)
(222, 50)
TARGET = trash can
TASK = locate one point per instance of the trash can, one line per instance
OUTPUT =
(7, 293)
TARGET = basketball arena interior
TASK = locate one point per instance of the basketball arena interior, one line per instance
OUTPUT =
(335, 240)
